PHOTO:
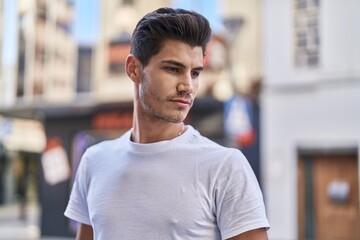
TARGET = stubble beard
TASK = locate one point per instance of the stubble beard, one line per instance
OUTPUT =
(151, 105)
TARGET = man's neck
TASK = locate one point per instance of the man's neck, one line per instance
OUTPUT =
(155, 132)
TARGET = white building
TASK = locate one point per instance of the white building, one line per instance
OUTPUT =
(311, 118)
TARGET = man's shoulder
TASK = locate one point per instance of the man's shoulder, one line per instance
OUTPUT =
(209, 144)
(204, 146)
(107, 145)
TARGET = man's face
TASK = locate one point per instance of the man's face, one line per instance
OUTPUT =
(170, 82)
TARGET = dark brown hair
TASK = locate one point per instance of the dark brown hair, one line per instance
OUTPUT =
(168, 24)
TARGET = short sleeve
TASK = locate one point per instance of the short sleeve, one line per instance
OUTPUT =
(239, 201)
(77, 208)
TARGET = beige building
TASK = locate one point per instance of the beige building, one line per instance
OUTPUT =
(46, 67)
(242, 23)
(117, 21)
(47, 55)
(7, 49)
(1, 43)
(234, 53)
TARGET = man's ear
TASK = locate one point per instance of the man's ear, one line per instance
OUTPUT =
(133, 68)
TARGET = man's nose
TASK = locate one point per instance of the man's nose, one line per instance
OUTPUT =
(185, 84)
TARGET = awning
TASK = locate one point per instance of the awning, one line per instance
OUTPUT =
(22, 134)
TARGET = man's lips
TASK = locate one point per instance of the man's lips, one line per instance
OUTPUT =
(181, 101)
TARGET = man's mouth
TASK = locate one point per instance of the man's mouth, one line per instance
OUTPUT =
(182, 102)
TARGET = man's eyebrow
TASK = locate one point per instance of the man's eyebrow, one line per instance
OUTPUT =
(179, 64)
(173, 62)
(198, 69)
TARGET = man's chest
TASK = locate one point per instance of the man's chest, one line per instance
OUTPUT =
(140, 201)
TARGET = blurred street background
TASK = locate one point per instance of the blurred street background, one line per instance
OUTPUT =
(281, 83)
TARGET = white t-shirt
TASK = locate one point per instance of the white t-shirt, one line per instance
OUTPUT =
(185, 188)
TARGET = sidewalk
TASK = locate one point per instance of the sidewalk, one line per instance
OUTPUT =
(12, 227)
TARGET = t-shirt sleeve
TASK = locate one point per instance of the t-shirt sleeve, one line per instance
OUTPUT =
(77, 208)
(239, 201)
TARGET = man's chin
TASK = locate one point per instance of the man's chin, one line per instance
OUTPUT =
(172, 119)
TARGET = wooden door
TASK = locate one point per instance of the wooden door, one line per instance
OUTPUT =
(320, 216)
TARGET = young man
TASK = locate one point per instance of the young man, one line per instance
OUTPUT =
(162, 179)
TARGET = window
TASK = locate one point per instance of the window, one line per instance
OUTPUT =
(127, 2)
(306, 33)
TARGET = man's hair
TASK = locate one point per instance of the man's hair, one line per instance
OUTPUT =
(168, 24)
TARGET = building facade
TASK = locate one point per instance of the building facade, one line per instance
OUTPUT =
(1, 42)
(117, 22)
(98, 104)
(46, 66)
(310, 118)
(39, 73)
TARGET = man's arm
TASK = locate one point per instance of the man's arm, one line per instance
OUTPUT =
(85, 232)
(257, 234)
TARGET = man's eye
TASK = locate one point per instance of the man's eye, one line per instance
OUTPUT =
(172, 69)
(195, 74)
